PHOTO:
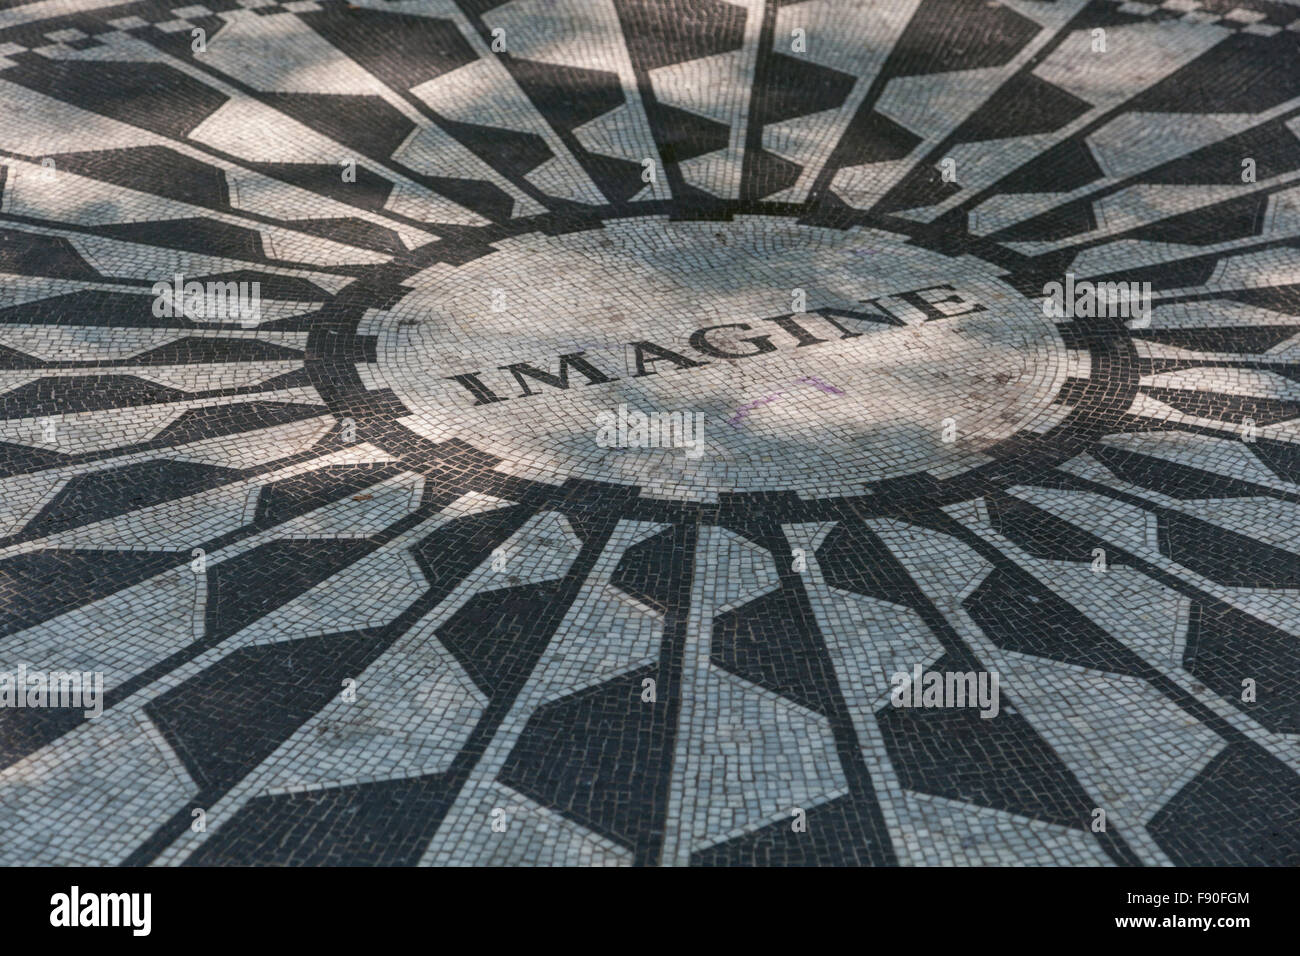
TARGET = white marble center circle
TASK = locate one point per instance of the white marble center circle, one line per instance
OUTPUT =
(815, 409)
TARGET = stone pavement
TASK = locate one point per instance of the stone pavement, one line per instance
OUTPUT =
(659, 432)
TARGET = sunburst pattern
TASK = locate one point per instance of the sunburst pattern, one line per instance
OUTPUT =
(364, 592)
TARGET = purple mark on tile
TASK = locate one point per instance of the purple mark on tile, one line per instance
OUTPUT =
(743, 412)
(735, 420)
(828, 389)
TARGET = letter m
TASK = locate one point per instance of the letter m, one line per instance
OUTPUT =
(1112, 299)
(116, 909)
(69, 683)
(961, 688)
(574, 360)
(222, 300)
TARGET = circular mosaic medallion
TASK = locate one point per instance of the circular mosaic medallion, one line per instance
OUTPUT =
(668, 355)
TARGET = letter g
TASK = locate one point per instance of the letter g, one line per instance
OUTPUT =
(701, 344)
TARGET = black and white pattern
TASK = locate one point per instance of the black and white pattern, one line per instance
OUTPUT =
(362, 584)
